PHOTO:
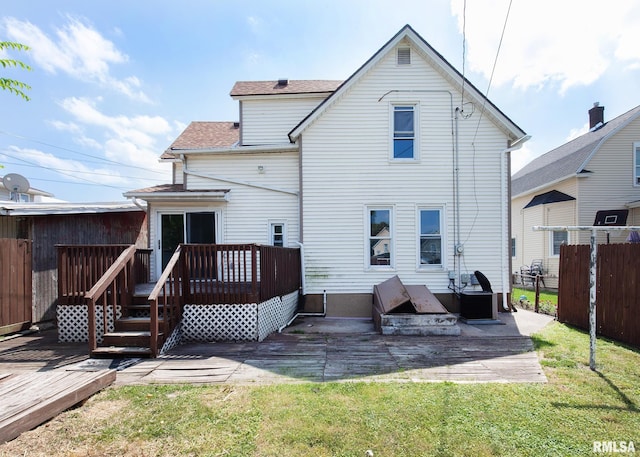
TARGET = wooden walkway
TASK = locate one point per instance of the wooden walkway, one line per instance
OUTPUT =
(38, 380)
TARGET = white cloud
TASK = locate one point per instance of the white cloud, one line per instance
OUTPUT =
(566, 43)
(521, 157)
(132, 141)
(80, 51)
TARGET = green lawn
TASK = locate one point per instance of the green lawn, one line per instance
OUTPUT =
(561, 418)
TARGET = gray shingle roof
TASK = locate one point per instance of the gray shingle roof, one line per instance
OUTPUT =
(568, 159)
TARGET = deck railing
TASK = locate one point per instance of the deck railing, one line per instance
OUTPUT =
(114, 289)
(81, 266)
(239, 273)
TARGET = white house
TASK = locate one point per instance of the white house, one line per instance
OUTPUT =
(401, 169)
(597, 173)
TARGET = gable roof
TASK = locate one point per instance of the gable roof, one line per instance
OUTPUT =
(438, 62)
(570, 159)
(249, 88)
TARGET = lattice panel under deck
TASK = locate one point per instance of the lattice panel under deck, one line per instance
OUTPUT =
(275, 313)
(219, 322)
(73, 323)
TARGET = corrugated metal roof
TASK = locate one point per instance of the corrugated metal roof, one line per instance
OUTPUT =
(246, 88)
(42, 209)
(568, 159)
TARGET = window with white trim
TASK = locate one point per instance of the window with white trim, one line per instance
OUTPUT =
(277, 233)
(404, 132)
(380, 237)
(557, 239)
(430, 237)
(636, 164)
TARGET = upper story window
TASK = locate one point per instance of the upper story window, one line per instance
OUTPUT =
(636, 164)
(430, 240)
(403, 56)
(380, 237)
(404, 138)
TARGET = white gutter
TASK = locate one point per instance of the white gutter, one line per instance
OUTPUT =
(266, 149)
(504, 216)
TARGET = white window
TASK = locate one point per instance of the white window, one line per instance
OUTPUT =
(430, 237)
(277, 233)
(636, 164)
(404, 121)
(557, 239)
(403, 56)
(380, 237)
(513, 247)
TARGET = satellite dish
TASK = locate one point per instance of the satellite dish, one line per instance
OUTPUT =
(16, 183)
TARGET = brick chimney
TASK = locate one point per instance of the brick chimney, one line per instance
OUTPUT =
(596, 115)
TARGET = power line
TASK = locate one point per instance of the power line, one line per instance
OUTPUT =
(74, 171)
(101, 159)
(495, 61)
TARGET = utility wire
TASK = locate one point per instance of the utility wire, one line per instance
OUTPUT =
(486, 95)
(101, 159)
(73, 171)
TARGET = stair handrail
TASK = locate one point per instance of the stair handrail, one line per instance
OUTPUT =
(120, 270)
(170, 276)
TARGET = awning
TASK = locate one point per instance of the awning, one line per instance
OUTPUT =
(553, 196)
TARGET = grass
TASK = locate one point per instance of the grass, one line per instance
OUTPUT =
(548, 303)
(563, 417)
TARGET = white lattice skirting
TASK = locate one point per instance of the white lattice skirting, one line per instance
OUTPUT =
(73, 323)
(246, 322)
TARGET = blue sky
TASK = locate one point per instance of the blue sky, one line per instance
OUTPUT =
(114, 82)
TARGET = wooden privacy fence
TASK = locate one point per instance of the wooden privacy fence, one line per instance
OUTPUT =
(617, 285)
(15, 285)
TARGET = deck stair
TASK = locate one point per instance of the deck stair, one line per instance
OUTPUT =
(131, 336)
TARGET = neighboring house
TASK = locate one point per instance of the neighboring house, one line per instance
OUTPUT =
(568, 186)
(31, 195)
(375, 176)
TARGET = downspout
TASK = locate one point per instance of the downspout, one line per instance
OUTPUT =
(504, 220)
(304, 288)
(135, 201)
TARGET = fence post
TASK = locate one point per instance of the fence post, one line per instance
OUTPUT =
(537, 305)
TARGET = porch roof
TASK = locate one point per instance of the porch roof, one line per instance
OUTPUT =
(177, 192)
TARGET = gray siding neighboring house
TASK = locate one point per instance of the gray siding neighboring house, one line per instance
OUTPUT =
(380, 161)
(598, 171)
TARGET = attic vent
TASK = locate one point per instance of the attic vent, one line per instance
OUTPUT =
(236, 125)
(283, 82)
(404, 56)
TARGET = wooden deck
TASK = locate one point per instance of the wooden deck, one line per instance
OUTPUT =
(30, 399)
(38, 380)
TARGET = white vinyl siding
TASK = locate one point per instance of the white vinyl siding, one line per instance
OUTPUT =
(269, 121)
(344, 169)
(610, 183)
